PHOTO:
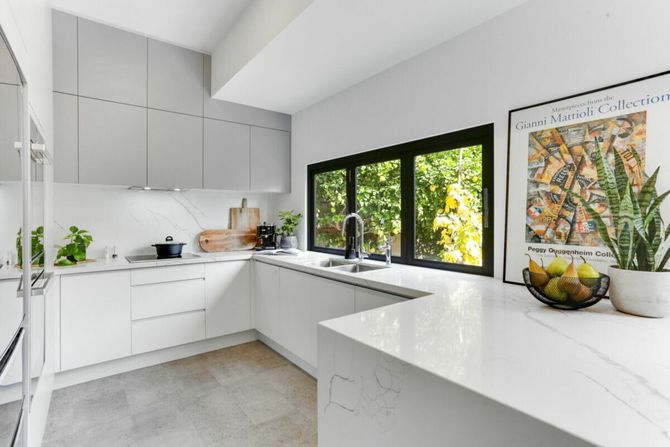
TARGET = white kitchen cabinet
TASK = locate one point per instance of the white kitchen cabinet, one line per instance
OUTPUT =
(64, 53)
(174, 150)
(270, 160)
(330, 299)
(228, 297)
(112, 64)
(10, 131)
(151, 334)
(266, 296)
(153, 300)
(66, 140)
(367, 299)
(95, 318)
(226, 155)
(295, 312)
(175, 78)
(155, 275)
(112, 143)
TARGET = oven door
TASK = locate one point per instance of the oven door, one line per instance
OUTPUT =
(11, 373)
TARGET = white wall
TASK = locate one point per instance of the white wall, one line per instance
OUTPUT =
(539, 51)
(133, 220)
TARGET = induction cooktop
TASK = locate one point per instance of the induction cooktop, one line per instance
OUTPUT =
(151, 258)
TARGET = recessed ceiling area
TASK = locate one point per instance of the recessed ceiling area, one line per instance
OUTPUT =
(334, 44)
(198, 25)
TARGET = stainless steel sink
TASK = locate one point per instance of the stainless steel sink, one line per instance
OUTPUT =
(358, 268)
(328, 263)
(343, 265)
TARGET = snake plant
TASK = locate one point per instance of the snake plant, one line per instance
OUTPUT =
(639, 234)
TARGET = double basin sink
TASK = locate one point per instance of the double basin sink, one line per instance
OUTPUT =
(343, 265)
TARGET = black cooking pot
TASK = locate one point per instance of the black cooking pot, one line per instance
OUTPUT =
(169, 248)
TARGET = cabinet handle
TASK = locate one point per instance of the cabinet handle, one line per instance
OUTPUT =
(6, 359)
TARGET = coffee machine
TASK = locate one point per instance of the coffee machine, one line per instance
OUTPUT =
(266, 237)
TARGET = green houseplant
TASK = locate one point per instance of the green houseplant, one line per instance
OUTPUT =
(290, 221)
(37, 246)
(74, 251)
(639, 281)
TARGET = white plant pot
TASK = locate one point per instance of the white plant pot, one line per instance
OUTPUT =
(646, 294)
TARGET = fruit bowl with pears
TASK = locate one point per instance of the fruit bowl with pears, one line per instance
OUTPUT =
(565, 285)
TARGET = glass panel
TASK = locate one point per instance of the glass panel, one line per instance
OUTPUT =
(449, 206)
(330, 206)
(378, 203)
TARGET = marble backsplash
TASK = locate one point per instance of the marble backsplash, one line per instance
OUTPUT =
(133, 220)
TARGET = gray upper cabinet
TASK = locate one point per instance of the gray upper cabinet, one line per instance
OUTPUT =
(175, 150)
(175, 78)
(66, 145)
(10, 131)
(229, 111)
(112, 143)
(112, 64)
(64, 52)
(226, 155)
(271, 160)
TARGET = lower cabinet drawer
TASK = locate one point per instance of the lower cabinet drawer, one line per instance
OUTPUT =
(153, 300)
(170, 273)
(164, 332)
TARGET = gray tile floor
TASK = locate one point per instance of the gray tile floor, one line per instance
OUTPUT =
(246, 395)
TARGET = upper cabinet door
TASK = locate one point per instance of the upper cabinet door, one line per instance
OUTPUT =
(175, 78)
(10, 132)
(64, 52)
(66, 146)
(270, 160)
(226, 155)
(112, 143)
(112, 64)
(175, 150)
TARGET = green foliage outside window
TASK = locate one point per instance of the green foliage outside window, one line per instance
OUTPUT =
(448, 205)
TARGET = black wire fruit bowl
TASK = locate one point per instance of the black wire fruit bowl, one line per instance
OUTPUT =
(585, 292)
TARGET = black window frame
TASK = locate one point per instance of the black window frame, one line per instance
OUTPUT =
(406, 152)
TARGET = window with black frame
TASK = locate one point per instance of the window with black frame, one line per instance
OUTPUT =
(432, 197)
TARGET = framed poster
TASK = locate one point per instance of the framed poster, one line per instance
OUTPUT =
(549, 158)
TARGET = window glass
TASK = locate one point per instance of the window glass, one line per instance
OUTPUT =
(330, 206)
(378, 200)
(448, 209)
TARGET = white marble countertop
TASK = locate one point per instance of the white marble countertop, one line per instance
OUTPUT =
(598, 374)
(101, 265)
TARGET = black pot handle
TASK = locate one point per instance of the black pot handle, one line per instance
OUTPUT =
(169, 239)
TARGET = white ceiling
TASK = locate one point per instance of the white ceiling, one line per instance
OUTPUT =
(195, 24)
(330, 46)
(334, 44)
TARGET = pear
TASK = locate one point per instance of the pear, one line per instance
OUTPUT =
(583, 293)
(538, 277)
(557, 266)
(569, 280)
(554, 292)
(588, 275)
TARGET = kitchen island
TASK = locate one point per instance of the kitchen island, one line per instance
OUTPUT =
(479, 362)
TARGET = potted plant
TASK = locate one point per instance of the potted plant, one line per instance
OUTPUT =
(639, 282)
(75, 250)
(37, 242)
(290, 221)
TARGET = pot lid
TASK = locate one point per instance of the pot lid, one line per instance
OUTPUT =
(168, 241)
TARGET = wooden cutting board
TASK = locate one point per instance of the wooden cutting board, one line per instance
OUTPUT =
(212, 241)
(245, 218)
